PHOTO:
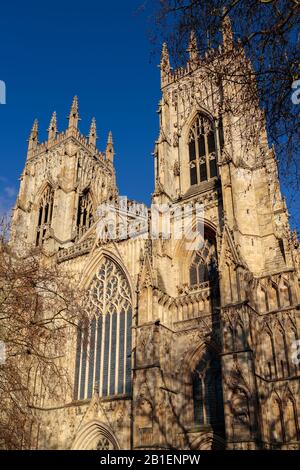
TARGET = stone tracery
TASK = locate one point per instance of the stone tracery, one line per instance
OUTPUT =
(104, 343)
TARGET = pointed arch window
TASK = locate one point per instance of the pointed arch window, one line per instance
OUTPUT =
(103, 355)
(204, 264)
(202, 150)
(207, 392)
(85, 215)
(45, 212)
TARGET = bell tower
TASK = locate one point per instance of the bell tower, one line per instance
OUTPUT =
(222, 317)
(211, 140)
(63, 182)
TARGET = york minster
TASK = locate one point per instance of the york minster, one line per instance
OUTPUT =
(180, 349)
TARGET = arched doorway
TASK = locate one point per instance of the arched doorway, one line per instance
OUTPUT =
(95, 436)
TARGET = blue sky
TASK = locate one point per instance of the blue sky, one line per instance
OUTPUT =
(50, 51)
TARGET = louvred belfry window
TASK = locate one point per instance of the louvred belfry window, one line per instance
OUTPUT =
(103, 356)
(202, 150)
(85, 216)
(44, 215)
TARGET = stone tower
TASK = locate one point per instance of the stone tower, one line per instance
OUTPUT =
(189, 346)
(64, 179)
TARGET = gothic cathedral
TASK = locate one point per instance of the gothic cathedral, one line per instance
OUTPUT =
(184, 349)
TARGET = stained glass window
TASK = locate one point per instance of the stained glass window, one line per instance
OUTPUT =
(103, 355)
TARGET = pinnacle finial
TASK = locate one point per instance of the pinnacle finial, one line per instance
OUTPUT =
(35, 126)
(34, 131)
(74, 115)
(193, 47)
(165, 51)
(33, 138)
(227, 33)
(110, 138)
(93, 133)
(52, 130)
(75, 104)
(110, 151)
(165, 58)
(165, 67)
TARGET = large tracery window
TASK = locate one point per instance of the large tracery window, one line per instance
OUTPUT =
(103, 356)
(202, 150)
(204, 264)
(207, 392)
(85, 216)
(44, 215)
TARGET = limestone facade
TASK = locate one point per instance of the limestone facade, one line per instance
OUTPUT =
(185, 349)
